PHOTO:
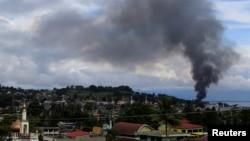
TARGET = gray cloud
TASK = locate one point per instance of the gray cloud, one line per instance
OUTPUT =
(17, 7)
(133, 32)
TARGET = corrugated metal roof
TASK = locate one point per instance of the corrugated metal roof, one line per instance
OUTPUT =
(185, 124)
(127, 128)
(77, 133)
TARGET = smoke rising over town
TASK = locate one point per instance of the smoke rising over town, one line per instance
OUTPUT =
(130, 32)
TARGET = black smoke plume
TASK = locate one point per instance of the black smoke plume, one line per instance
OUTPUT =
(136, 31)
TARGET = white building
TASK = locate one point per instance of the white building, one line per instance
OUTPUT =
(20, 128)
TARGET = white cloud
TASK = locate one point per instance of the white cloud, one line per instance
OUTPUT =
(26, 64)
(17, 70)
(236, 12)
(239, 74)
(176, 68)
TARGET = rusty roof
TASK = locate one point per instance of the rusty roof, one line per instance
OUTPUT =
(127, 128)
(186, 124)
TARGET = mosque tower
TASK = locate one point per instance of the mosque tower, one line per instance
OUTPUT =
(146, 99)
(24, 130)
(131, 100)
(20, 128)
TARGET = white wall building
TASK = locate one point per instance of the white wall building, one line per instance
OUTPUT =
(20, 128)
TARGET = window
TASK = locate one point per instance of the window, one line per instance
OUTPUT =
(158, 138)
(143, 137)
(195, 130)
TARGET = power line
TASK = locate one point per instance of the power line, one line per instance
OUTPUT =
(136, 116)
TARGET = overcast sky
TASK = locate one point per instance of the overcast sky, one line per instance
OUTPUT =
(171, 45)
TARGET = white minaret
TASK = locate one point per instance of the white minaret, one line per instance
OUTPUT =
(131, 100)
(146, 99)
(24, 112)
(24, 130)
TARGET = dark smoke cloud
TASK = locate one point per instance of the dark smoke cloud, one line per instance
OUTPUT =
(136, 31)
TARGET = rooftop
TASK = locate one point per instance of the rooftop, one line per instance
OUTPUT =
(185, 124)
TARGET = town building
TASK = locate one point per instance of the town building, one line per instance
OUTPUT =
(187, 127)
(134, 131)
(20, 129)
(129, 131)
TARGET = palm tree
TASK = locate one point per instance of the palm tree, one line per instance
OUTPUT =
(111, 135)
(167, 113)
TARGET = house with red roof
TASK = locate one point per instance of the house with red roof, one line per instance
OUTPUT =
(134, 131)
(129, 131)
(187, 127)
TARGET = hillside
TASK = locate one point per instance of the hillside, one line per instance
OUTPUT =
(13, 96)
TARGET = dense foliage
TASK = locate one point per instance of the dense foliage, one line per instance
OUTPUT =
(160, 107)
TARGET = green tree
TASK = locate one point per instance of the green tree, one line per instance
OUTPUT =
(195, 116)
(5, 124)
(245, 117)
(167, 113)
(138, 113)
(111, 135)
(35, 109)
(211, 117)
